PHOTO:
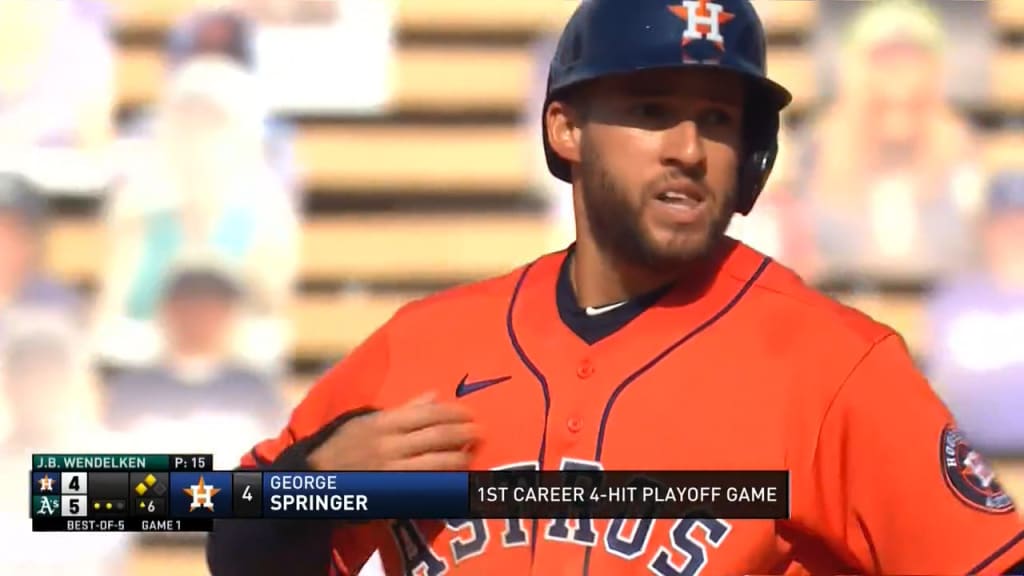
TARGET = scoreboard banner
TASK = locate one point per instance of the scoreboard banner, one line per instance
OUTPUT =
(118, 492)
(183, 493)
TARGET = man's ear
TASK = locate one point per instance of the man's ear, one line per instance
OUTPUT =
(563, 125)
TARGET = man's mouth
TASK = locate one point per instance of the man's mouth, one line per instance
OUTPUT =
(682, 196)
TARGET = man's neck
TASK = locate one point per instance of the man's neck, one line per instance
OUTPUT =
(600, 280)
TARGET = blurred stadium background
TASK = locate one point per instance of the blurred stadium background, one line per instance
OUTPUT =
(204, 204)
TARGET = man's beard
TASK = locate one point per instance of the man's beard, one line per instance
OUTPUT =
(617, 226)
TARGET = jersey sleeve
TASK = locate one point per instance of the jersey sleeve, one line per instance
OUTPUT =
(306, 548)
(902, 490)
(349, 386)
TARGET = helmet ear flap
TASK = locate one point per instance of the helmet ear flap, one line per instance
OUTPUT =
(753, 176)
(762, 137)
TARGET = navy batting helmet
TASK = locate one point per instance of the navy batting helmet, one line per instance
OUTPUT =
(614, 37)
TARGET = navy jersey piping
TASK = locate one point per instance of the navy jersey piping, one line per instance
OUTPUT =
(639, 372)
(999, 552)
(664, 353)
(540, 379)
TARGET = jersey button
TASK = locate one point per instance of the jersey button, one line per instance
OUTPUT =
(585, 369)
(574, 424)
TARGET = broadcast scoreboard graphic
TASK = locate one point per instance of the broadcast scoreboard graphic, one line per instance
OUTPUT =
(184, 493)
(127, 492)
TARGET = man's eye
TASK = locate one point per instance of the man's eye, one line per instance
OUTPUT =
(649, 110)
(715, 118)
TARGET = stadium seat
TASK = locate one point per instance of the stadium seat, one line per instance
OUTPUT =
(415, 158)
(496, 16)
(139, 75)
(1003, 150)
(1007, 15)
(390, 248)
(466, 158)
(454, 16)
(358, 156)
(502, 16)
(424, 247)
(420, 248)
(71, 248)
(428, 79)
(794, 69)
(440, 79)
(794, 18)
(151, 15)
(1008, 78)
(462, 79)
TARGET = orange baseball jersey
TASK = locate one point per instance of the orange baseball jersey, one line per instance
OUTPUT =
(751, 370)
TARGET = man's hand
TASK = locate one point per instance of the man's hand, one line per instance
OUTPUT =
(421, 435)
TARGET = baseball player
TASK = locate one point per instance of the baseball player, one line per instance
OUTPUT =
(652, 342)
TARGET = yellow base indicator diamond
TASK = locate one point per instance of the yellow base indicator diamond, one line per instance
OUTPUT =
(150, 480)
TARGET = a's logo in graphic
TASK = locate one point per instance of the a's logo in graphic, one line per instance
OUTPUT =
(46, 506)
(202, 495)
(703, 21)
(969, 475)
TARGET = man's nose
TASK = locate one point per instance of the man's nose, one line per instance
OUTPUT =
(683, 147)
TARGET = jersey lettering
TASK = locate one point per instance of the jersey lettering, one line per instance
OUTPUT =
(628, 538)
(685, 554)
(514, 533)
(418, 558)
(684, 541)
(576, 530)
(474, 542)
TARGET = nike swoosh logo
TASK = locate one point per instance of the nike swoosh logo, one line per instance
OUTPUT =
(465, 388)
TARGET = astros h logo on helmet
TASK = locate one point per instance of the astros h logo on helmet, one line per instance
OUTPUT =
(703, 21)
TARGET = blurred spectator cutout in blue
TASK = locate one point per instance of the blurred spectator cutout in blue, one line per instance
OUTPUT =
(976, 360)
(197, 377)
(49, 403)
